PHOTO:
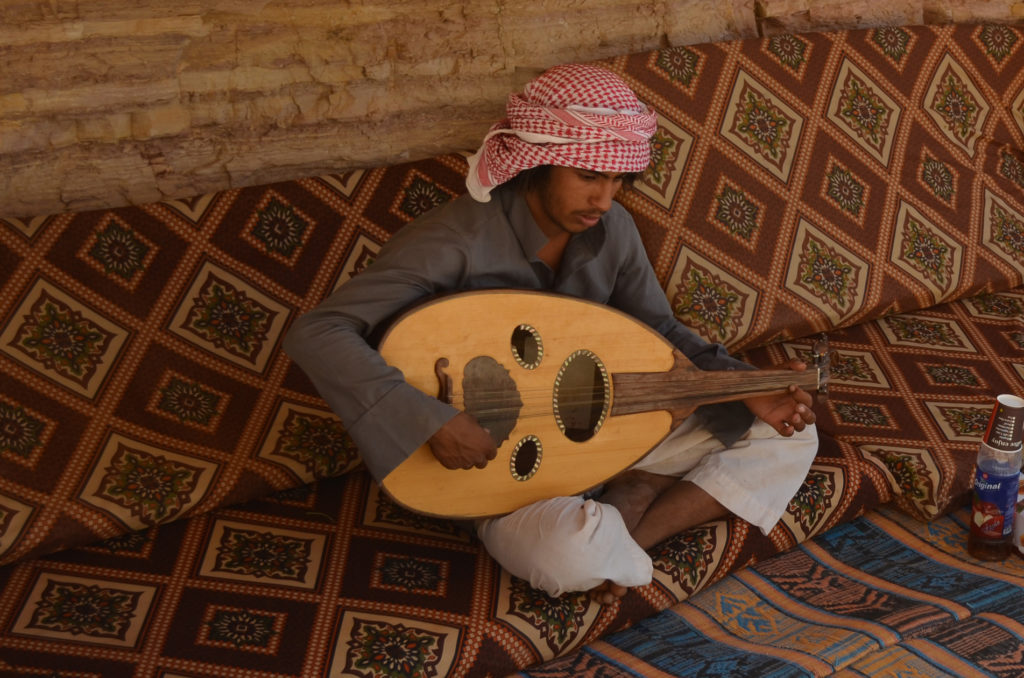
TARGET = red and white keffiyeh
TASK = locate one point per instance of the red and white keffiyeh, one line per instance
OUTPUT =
(573, 115)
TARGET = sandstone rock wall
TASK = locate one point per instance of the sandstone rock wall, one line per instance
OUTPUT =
(110, 102)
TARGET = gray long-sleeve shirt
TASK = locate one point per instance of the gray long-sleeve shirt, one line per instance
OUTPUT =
(467, 245)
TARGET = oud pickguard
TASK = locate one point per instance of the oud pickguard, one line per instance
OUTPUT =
(491, 397)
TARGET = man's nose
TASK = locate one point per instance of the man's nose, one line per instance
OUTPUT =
(603, 194)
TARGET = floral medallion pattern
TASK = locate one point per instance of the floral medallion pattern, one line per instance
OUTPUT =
(737, 212)
(381, 650)
(927, 253)
(893, 41)
(827, 272)
(556, 619)
(278, 228)
(686, 557)
(78, 609)
(850, 369)
(384, 511)
(1012, 168)
(670, 148)
(911, 473)
(864, 111)
(813, 500)
(21, 434)
(789, 49)
(229, 319)
(152, 487)
(1008, 231)
(938, 177)
(704, 301)
(241, 629)
(680, 64)
(763, 125)
(965, 421)
(956, 105)
(318, 443)
(951, 375)
(999, 41)
(119, 251)
(263, 554)
(845, 367)
(919, 330)
(188, 402)
(397, 572)
(664, 150)
(862, 414)
(62, 339)
(137, 543)
(845, 190)
(997, 306)
(419, 196)
(911, 478)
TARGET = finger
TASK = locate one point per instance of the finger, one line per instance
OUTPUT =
(801, 396)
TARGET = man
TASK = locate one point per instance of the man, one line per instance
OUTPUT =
(540, 215)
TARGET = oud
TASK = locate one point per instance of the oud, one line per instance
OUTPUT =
(572, 392)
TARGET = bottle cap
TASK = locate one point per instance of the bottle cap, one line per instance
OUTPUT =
(1006, 425)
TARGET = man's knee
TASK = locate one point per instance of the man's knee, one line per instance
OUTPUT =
(566, 544)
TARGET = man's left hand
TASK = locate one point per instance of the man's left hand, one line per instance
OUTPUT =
(785, 412)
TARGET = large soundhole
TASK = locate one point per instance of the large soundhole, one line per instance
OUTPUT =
(581, 396)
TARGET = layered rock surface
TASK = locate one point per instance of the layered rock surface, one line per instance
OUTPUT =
(107, 103)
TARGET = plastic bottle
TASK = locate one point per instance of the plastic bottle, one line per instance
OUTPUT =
(993, 503)
(996, 482)
(1018, 519)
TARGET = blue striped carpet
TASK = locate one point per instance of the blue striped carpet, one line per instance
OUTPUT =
(884, 595)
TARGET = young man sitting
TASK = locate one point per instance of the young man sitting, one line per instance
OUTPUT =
(539, 214)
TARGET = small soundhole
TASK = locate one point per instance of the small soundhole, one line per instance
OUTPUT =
(525, 458)
(527, 347)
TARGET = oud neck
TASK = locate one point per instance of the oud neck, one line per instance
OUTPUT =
(685, 390)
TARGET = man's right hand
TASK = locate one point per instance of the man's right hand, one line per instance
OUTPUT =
(462, 443)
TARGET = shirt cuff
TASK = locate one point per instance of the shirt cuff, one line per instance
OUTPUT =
(384, 442)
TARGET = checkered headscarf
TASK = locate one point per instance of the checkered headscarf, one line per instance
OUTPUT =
(574, 116)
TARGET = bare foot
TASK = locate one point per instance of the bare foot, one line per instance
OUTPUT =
(607, 593)
(631, 493)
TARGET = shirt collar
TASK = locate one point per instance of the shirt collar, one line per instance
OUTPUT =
(530, 237)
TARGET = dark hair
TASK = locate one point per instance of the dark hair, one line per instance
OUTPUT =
(535, 177)
(538, 177)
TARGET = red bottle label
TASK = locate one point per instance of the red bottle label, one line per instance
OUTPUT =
(993, 504)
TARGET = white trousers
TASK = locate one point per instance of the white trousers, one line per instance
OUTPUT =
(574, 544)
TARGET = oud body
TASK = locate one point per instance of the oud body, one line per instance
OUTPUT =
(572, 392)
